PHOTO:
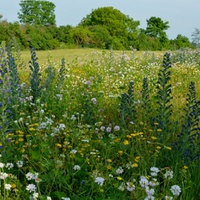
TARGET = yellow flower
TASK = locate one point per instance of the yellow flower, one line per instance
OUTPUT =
(59, 145)
(185, 167)
(109, 160)
(159, 130)
(120, 152)
(117, 140)
(153, 138)
(119, 178)
(168, 148)
(126, 142)
(109, 167)
(13, 185)
(21, 139)
(158, 147)
(31, 129)
(133, 134)
(135, 165)
(155, 123)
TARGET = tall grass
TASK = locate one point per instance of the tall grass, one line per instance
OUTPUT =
(105, 128)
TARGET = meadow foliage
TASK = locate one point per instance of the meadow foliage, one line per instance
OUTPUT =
(112, 127)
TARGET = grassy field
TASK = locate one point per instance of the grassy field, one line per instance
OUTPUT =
(99, 125)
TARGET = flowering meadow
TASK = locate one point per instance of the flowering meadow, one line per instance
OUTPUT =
(115, 126)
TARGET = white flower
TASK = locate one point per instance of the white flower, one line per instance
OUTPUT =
(99, 181)
(130, 187)
(29, 176)
(150, 192)
(2, 165)
(116, 128)
(143, 182)
(168, 198)
(9, 166)
(31, 188)
(3, 175)
(168, 174)
(108, 129)
(176, 190)
(65, 198)
(102, 128)
(7, 186)
(73, 151)
(62, 126)
(154, 171)
(119, 170)
(149, 197)
(48, 198)
(35, 195)
(19, 163)
(32, 176)
(94, 101)
(76, 167)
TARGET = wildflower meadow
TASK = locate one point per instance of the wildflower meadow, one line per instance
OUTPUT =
(114, 126)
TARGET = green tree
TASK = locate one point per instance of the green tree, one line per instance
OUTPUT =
(196, 37)
(181, 42)
(156, 27)
(120, 27)
(37, 12)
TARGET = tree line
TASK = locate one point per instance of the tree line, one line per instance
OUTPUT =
(103, 28)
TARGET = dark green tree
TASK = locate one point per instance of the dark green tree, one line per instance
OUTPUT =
(37, 12)
(120, 27)
(181, 42)
(156, 27)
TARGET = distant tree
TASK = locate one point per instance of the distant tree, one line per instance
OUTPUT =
(1, 16)
(37, 12)
(181, 42)
(196, 37)
(156, 27)
(119, 26)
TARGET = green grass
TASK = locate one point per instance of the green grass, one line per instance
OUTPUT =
(66, 123)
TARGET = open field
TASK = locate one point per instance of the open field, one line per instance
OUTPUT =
(99, 125)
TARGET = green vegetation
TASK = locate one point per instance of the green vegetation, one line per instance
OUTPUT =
(103, 28)
(110, 126)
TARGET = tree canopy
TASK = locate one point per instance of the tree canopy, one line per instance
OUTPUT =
(156, 27)
(37, 12)
(116, 23)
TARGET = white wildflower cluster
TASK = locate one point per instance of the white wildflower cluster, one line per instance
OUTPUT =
(3, 175)
(32, 176)
(94, 101)
(20, 163)
(9, 166)
(76, 167)
(120, 170)
(31, 188)
(7, 186)
(168, 174)
(44, 125)
(176, 190)
(149, 183)
(99, 180)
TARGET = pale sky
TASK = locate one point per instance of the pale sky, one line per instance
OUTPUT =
(183, 15)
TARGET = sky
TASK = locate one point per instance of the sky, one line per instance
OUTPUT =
(183, 15)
